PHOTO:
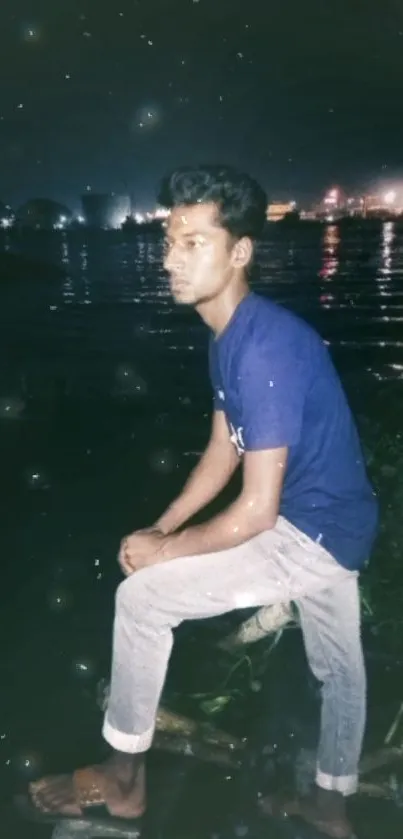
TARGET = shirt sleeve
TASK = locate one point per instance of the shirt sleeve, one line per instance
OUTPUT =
(218, 402)
(272, 396)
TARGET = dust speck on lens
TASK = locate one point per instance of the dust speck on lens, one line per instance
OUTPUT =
(84, 668)
(37, 480)
(163, 461)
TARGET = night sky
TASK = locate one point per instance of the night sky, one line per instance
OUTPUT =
(112, 93)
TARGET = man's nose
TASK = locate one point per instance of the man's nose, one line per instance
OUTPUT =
(173, 259)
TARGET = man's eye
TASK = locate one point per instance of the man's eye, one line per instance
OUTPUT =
(188, 244)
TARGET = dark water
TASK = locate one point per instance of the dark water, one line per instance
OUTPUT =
(104, 405)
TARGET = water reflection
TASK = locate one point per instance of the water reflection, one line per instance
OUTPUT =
(388, 235)
(68, 287)
(346, 280)
(330, 263)
(84, 274)
(331, 242)
(383, 276)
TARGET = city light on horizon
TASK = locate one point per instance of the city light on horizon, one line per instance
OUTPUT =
(115, 211)
(390, 197)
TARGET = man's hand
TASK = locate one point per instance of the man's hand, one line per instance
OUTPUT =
(140, 549)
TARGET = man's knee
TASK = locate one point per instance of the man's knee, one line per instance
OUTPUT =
(135, 594)
(151, 596)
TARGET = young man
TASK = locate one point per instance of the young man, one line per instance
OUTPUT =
(301, 528)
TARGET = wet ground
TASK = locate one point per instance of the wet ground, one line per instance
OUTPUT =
(104, 406)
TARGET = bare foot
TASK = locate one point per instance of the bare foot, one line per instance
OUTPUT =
(119, 785)
(329, 818)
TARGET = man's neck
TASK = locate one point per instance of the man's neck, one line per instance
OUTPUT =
(217, 313)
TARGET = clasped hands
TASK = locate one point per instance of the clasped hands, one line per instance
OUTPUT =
(141, 549)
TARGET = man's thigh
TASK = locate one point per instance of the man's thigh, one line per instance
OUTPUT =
(278, 565)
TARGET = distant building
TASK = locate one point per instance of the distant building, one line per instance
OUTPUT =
(278, 210)
(373, 204)
(332, 206)
(355, 206)
(43, 214)
(381, 205)
(105, 211)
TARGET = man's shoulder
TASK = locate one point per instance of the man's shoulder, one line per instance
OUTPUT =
(271, 325)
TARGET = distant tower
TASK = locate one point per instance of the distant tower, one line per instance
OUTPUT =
(106, 211)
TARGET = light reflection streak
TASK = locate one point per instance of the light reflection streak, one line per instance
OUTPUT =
(330, 245)
(84, 273)
(330, 262)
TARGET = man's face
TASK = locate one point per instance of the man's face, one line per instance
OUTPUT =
(198, 254)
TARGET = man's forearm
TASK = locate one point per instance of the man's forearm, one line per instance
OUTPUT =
(237, 524)
(212, 473)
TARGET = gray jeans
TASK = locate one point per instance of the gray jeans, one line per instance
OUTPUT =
(276, 566)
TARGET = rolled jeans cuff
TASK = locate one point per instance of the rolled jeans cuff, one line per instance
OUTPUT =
(128, 743)
(345, 784)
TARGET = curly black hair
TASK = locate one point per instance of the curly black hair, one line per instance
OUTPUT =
(240, 200)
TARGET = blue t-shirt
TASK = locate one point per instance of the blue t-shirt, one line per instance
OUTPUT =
(273, 377)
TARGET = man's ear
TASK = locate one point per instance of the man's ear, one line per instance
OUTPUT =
(242, 252)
